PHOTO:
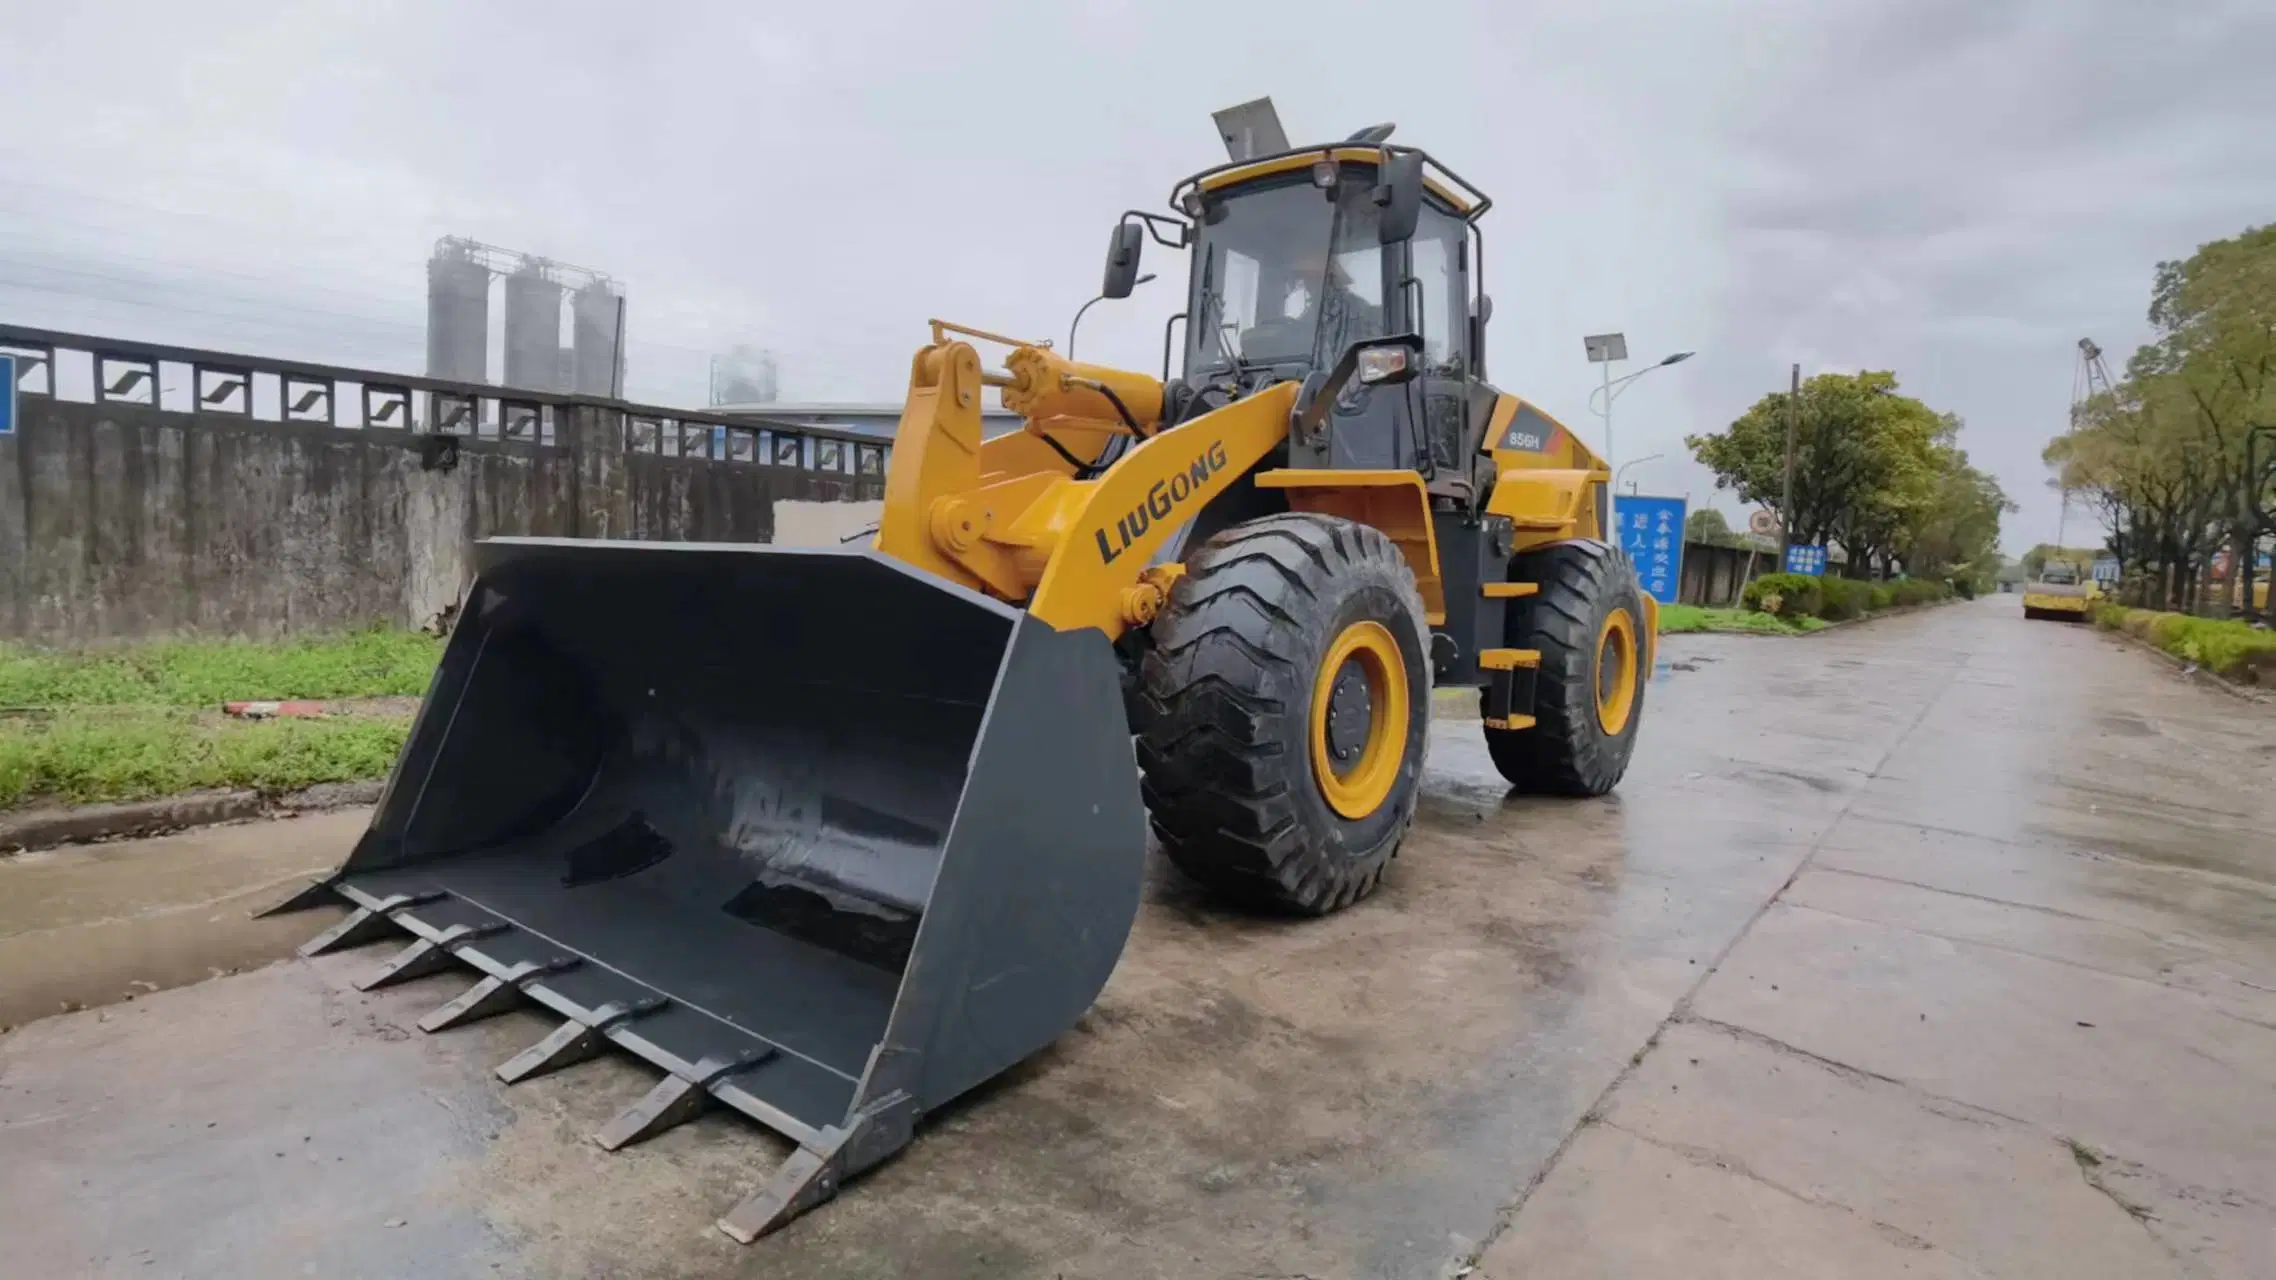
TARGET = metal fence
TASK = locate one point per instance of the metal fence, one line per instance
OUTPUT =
(91, 369)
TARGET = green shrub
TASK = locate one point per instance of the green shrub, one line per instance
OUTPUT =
(2110, 617)
(1787, 595)
(1911, 591)
(1881, 596)
(1840, 599)
(2225, 647)
(1678, 618)
(1963, 587)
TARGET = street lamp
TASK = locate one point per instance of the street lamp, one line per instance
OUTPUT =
(1078, 320)
(1608, 349)
(1633, 462)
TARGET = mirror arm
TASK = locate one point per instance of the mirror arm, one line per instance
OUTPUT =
(1179, 234)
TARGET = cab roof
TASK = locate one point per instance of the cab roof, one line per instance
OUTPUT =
(1447, 186)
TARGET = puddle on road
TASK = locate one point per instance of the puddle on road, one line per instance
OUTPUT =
(2126, 724)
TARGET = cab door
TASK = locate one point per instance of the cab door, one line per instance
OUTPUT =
(1435, 297)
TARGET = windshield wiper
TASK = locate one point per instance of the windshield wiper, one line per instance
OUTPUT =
(1212, 310)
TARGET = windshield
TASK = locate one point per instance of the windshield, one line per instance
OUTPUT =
(1282, 276)
(2060, 573)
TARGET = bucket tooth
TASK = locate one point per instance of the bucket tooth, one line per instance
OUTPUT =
(572, 1042)
(419, 960)
(815, 1171)
(364, 924)
(674, 1101)
(427, 956)
(491, 996)
(308, 897)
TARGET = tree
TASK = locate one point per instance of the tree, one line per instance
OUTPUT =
(1868, 463)
(2035, 560)
(2179, 461)
(1955, 532)
(1706, 525)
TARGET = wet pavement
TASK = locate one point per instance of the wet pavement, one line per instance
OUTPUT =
(1943, 945)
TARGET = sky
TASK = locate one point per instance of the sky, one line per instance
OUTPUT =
(1956, 190)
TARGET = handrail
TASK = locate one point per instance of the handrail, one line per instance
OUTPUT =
(309, 395)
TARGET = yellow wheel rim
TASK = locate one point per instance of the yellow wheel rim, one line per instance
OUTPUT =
(1360, 710)
(1616, 671)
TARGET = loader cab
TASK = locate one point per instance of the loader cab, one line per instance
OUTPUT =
(1295, 257)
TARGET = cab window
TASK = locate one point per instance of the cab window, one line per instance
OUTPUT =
(1437, 265)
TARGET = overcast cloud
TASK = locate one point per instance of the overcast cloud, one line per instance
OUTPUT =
(1955, 189)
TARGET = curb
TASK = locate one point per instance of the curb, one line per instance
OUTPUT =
(1883, 615)
(2184, 667)
(85, 824)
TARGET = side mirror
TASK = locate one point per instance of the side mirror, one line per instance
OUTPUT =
(1485, 309)
(1400, 197)
(1374, 362)
(1122, 259)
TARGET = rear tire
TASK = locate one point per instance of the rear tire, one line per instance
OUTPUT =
(1283, 709)
(1587, 619)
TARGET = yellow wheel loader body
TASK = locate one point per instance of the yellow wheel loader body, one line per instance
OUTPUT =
(2060, 593)
(831, 837)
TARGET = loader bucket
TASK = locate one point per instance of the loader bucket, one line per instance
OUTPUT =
(826, 839)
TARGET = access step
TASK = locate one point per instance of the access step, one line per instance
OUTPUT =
(1509, 659)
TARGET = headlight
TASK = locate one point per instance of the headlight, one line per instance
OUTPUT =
(1380, 364)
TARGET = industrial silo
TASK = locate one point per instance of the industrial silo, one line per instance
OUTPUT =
(533, 329)
(458, 314)
(596, 333)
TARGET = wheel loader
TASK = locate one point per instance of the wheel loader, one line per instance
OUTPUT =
(2060, 592)
(830, 837)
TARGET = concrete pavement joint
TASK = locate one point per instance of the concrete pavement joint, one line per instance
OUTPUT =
(1709, 1158)
(1682, 1009)
(1855, 1075)
(1975, 897)
(2069, 850)
(2090, 1161)
(1960, 940)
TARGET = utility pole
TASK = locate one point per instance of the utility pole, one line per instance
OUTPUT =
(1786, 502)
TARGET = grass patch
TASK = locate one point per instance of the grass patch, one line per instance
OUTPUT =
(1676, 619)
(139, 721)
(206, 673)
(144, 752)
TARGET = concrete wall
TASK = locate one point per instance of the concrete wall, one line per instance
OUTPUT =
(1714, 576)
(121, 520)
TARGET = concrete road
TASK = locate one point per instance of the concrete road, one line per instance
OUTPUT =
(1942, 945)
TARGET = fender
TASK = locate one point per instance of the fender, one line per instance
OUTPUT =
(1394, 501)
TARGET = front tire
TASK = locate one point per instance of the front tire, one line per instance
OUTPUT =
(1283, 709)
(1587, 620)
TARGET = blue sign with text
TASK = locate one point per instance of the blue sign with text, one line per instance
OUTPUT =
(1651, 532)
(1810, 560)
(7, 395)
